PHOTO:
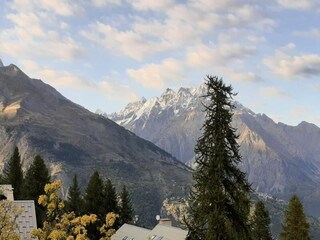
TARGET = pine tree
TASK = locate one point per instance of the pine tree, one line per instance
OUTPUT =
(37, 176)
(126, 209)
(94, 200)
(94, 197)
(261, 222)
(111, 203)
(74, 201)
(219, 201)
(13, 174)
(295, 226)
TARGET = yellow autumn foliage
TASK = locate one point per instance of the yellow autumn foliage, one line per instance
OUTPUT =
(8, 214)
(107, 230)
(66, 226)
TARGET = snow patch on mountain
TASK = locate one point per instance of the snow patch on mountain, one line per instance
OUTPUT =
(179, 102)
(144, 109)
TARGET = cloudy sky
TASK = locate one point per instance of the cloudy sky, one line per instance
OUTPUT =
(103, 54)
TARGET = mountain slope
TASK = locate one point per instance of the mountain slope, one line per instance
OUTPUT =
(38, 119)
(279, 159)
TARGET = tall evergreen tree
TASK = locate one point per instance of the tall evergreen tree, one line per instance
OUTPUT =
(296, 226)
(261, 222)
(219, 200)
(126, 209)
(13, 174)
(94, 200)
(37, 176)
(111, 203)
(94, 197)
(74, 201)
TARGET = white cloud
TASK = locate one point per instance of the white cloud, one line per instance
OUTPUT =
(288, 47)
(225, 58)
(170, 71)
(238, 76)
(27, 26)
(152, 4)
(300, 4)
(29, 64)
(129, 42)
(62, 79)
(174, 33)
(31, 37)
(58, 7)
(203, 55)
(272, 92)
(103, 3)
(65, 79)
(116, 91)
(64, 25)
(312, 33)
(50, 46)
(256, 39)
(299, 66)
(180, 26)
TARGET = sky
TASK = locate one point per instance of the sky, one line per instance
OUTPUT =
(103, 54)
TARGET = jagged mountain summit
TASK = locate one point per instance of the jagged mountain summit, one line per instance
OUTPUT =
(71, 139)
(171, 121)
(279, 159)
(166, 120)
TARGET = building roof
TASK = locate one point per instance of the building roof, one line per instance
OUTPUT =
(160, 232)
(165, 232)
(26, 221)
(131, 232)
(7, 191)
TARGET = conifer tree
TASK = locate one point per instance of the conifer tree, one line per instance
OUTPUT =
(37, 176)
(261, 222)
(74, 201)
(219, 199)
(126, 209)
(94, 197)
(295, 226)
(111, 203)
(13, 174)
(94, 200)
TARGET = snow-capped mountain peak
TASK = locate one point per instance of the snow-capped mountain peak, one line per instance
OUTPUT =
(185, 99)
(170, 103)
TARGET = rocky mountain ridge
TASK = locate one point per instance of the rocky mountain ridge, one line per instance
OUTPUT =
(279, 159)
(39, 120)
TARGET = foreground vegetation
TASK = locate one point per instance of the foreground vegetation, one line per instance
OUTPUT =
(96, 214)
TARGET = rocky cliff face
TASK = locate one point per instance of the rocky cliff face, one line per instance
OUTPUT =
(39, 120)
(279, 159)
(172, 121)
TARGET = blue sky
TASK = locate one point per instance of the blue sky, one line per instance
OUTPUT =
(103, 54)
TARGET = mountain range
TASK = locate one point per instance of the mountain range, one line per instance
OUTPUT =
(72, 140)
(279, 159)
